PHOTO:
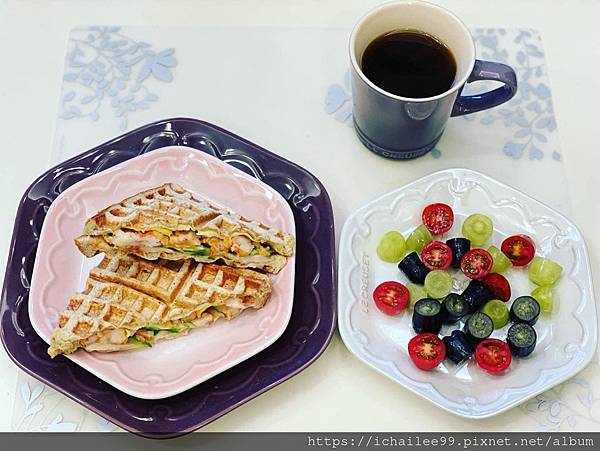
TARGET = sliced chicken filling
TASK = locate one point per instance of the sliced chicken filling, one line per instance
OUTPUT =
(188, 242)
(123, 339)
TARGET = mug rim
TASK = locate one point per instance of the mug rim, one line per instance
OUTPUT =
(393, 3)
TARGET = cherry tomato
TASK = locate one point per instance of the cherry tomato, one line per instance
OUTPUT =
(426, 351)
(493, 355)
(391, 297)
(476, 263)
(498, 285)
(438, 218)
(520, 249)
(436, 255)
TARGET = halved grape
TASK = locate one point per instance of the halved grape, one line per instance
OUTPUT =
(545, 298)
(498, 311)
(438, 284)
(458, 346)
(416, 293)
(544, 272)
(476, 294)
(525, 309)
(521, 339)
(479, 326)
(478, 228)
(418, 239)
(392, 247)
(501, 261)
(426, 316)
(413, 268)
(454, 307)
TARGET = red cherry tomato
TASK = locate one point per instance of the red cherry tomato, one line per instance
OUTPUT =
(476, 263)
(436, 255)
(438, 218)
(520, 249)
(493, 355)
(426, 351)
(391, 297)
(498, 285)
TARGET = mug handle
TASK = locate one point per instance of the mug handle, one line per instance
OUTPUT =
(487, 70)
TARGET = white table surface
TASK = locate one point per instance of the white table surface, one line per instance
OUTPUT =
(337, 392)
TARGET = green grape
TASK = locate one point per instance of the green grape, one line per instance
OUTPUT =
(438, 284)
(392, 247)
(544, 272)
(416, 293)
(501, 261)
(418, 239)
(498, 311)
(545, 298)
(478, 229)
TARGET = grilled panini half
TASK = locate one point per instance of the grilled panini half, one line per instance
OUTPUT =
(168, 222)
(131, 303)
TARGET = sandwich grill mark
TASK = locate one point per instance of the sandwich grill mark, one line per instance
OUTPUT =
(161, 279)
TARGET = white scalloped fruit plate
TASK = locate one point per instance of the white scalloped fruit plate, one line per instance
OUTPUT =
(171, 366)
(566, 338)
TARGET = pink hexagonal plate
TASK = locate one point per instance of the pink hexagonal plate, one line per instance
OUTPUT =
(172, 366)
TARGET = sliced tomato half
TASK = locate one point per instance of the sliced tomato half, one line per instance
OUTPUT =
(498, 285)
(477, 263)
(436, 255)
(438, 218)
(520, 249)
(426, 351)
(391, 297)
(493, 355)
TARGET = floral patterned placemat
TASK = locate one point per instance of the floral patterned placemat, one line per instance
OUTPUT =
(288, 89)
(107, 73)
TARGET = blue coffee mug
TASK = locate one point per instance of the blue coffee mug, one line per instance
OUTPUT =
(403, 128)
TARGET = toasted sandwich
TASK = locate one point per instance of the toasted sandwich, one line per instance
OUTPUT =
(132, 303)
(168, 222)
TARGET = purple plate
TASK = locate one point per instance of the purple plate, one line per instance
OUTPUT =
(306, 337)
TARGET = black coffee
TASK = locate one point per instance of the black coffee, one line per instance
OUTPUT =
(409, 64)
